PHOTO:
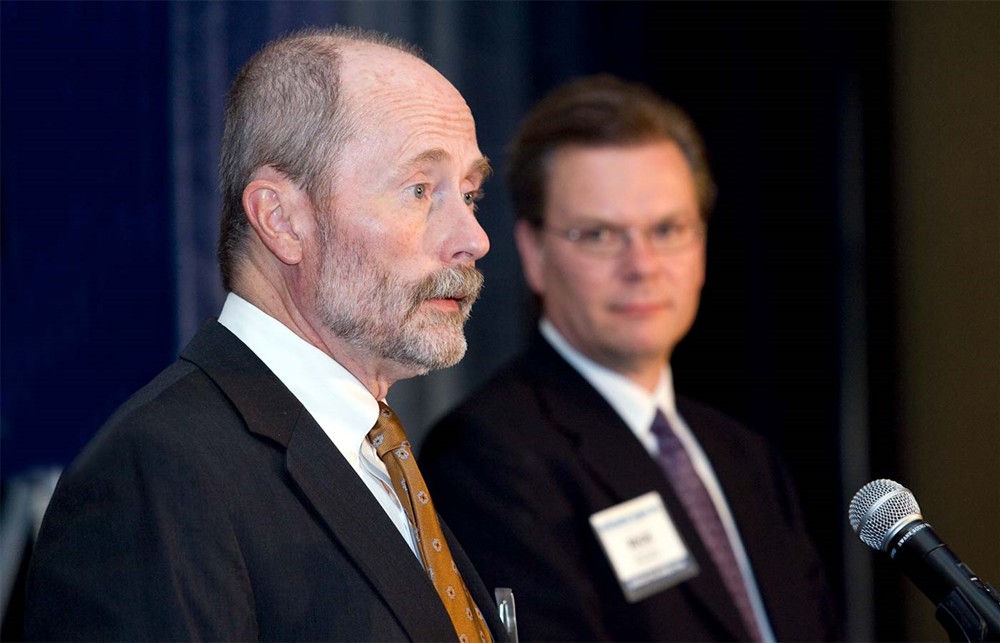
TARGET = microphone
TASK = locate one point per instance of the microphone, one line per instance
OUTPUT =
(886, 517)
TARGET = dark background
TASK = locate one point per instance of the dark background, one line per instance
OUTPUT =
(111, 115)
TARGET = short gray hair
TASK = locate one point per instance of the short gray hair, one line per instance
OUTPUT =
(285, 111)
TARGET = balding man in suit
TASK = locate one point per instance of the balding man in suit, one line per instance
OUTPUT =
(259, 488)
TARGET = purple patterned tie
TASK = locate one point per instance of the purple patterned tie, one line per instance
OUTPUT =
(676, 463)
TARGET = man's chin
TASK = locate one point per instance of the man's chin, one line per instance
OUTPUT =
(430, 353)
(631, 351)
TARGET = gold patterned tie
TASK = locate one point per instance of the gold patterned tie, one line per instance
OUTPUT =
(389, 440)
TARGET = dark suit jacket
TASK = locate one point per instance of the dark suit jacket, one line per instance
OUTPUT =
(519, 467)
(212, 506)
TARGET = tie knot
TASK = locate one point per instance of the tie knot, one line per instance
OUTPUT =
(664, 432)
(388, 433)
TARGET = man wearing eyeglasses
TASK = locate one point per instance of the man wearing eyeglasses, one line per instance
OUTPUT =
(614, 510)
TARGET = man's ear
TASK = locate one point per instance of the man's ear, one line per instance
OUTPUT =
(529, 246)
(272, 205)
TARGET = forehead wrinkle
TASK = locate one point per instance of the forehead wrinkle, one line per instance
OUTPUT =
(441, 111)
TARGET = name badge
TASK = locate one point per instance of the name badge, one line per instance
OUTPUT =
(643, 546)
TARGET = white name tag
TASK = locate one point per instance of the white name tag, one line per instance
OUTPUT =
(645, 550)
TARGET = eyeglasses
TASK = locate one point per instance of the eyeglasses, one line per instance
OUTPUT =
(605, 240)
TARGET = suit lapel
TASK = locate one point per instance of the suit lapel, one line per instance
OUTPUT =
(328, 483)
(617, 459)
(365, 532)
(481, 595)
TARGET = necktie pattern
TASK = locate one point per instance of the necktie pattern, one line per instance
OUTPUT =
(677, 465)
(389, 440)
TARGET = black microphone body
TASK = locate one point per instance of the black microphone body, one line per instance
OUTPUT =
(968, 608)
(886, 517)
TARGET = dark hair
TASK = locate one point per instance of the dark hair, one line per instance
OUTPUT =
(284, 111)
(598, 111)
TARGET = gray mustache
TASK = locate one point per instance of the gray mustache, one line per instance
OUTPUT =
(452, 283)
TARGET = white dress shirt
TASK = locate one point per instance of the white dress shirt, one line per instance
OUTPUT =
(637, 408)
(338, 401)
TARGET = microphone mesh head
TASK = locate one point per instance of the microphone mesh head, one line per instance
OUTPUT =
(877, 508)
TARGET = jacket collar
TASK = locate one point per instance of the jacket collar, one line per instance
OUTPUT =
(326, 480)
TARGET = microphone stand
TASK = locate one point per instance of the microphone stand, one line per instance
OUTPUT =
(963, 622)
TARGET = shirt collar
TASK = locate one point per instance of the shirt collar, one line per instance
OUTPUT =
(337, 400)
(635, 405)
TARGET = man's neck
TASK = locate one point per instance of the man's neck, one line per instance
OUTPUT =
(375, 373)
(645, 373)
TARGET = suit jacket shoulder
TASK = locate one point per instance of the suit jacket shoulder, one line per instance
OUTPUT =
(530, 456)
(212, 506)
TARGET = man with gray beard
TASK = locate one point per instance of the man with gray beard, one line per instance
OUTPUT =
(261, 487)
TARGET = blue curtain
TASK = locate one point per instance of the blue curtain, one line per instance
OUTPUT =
(112, 116)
